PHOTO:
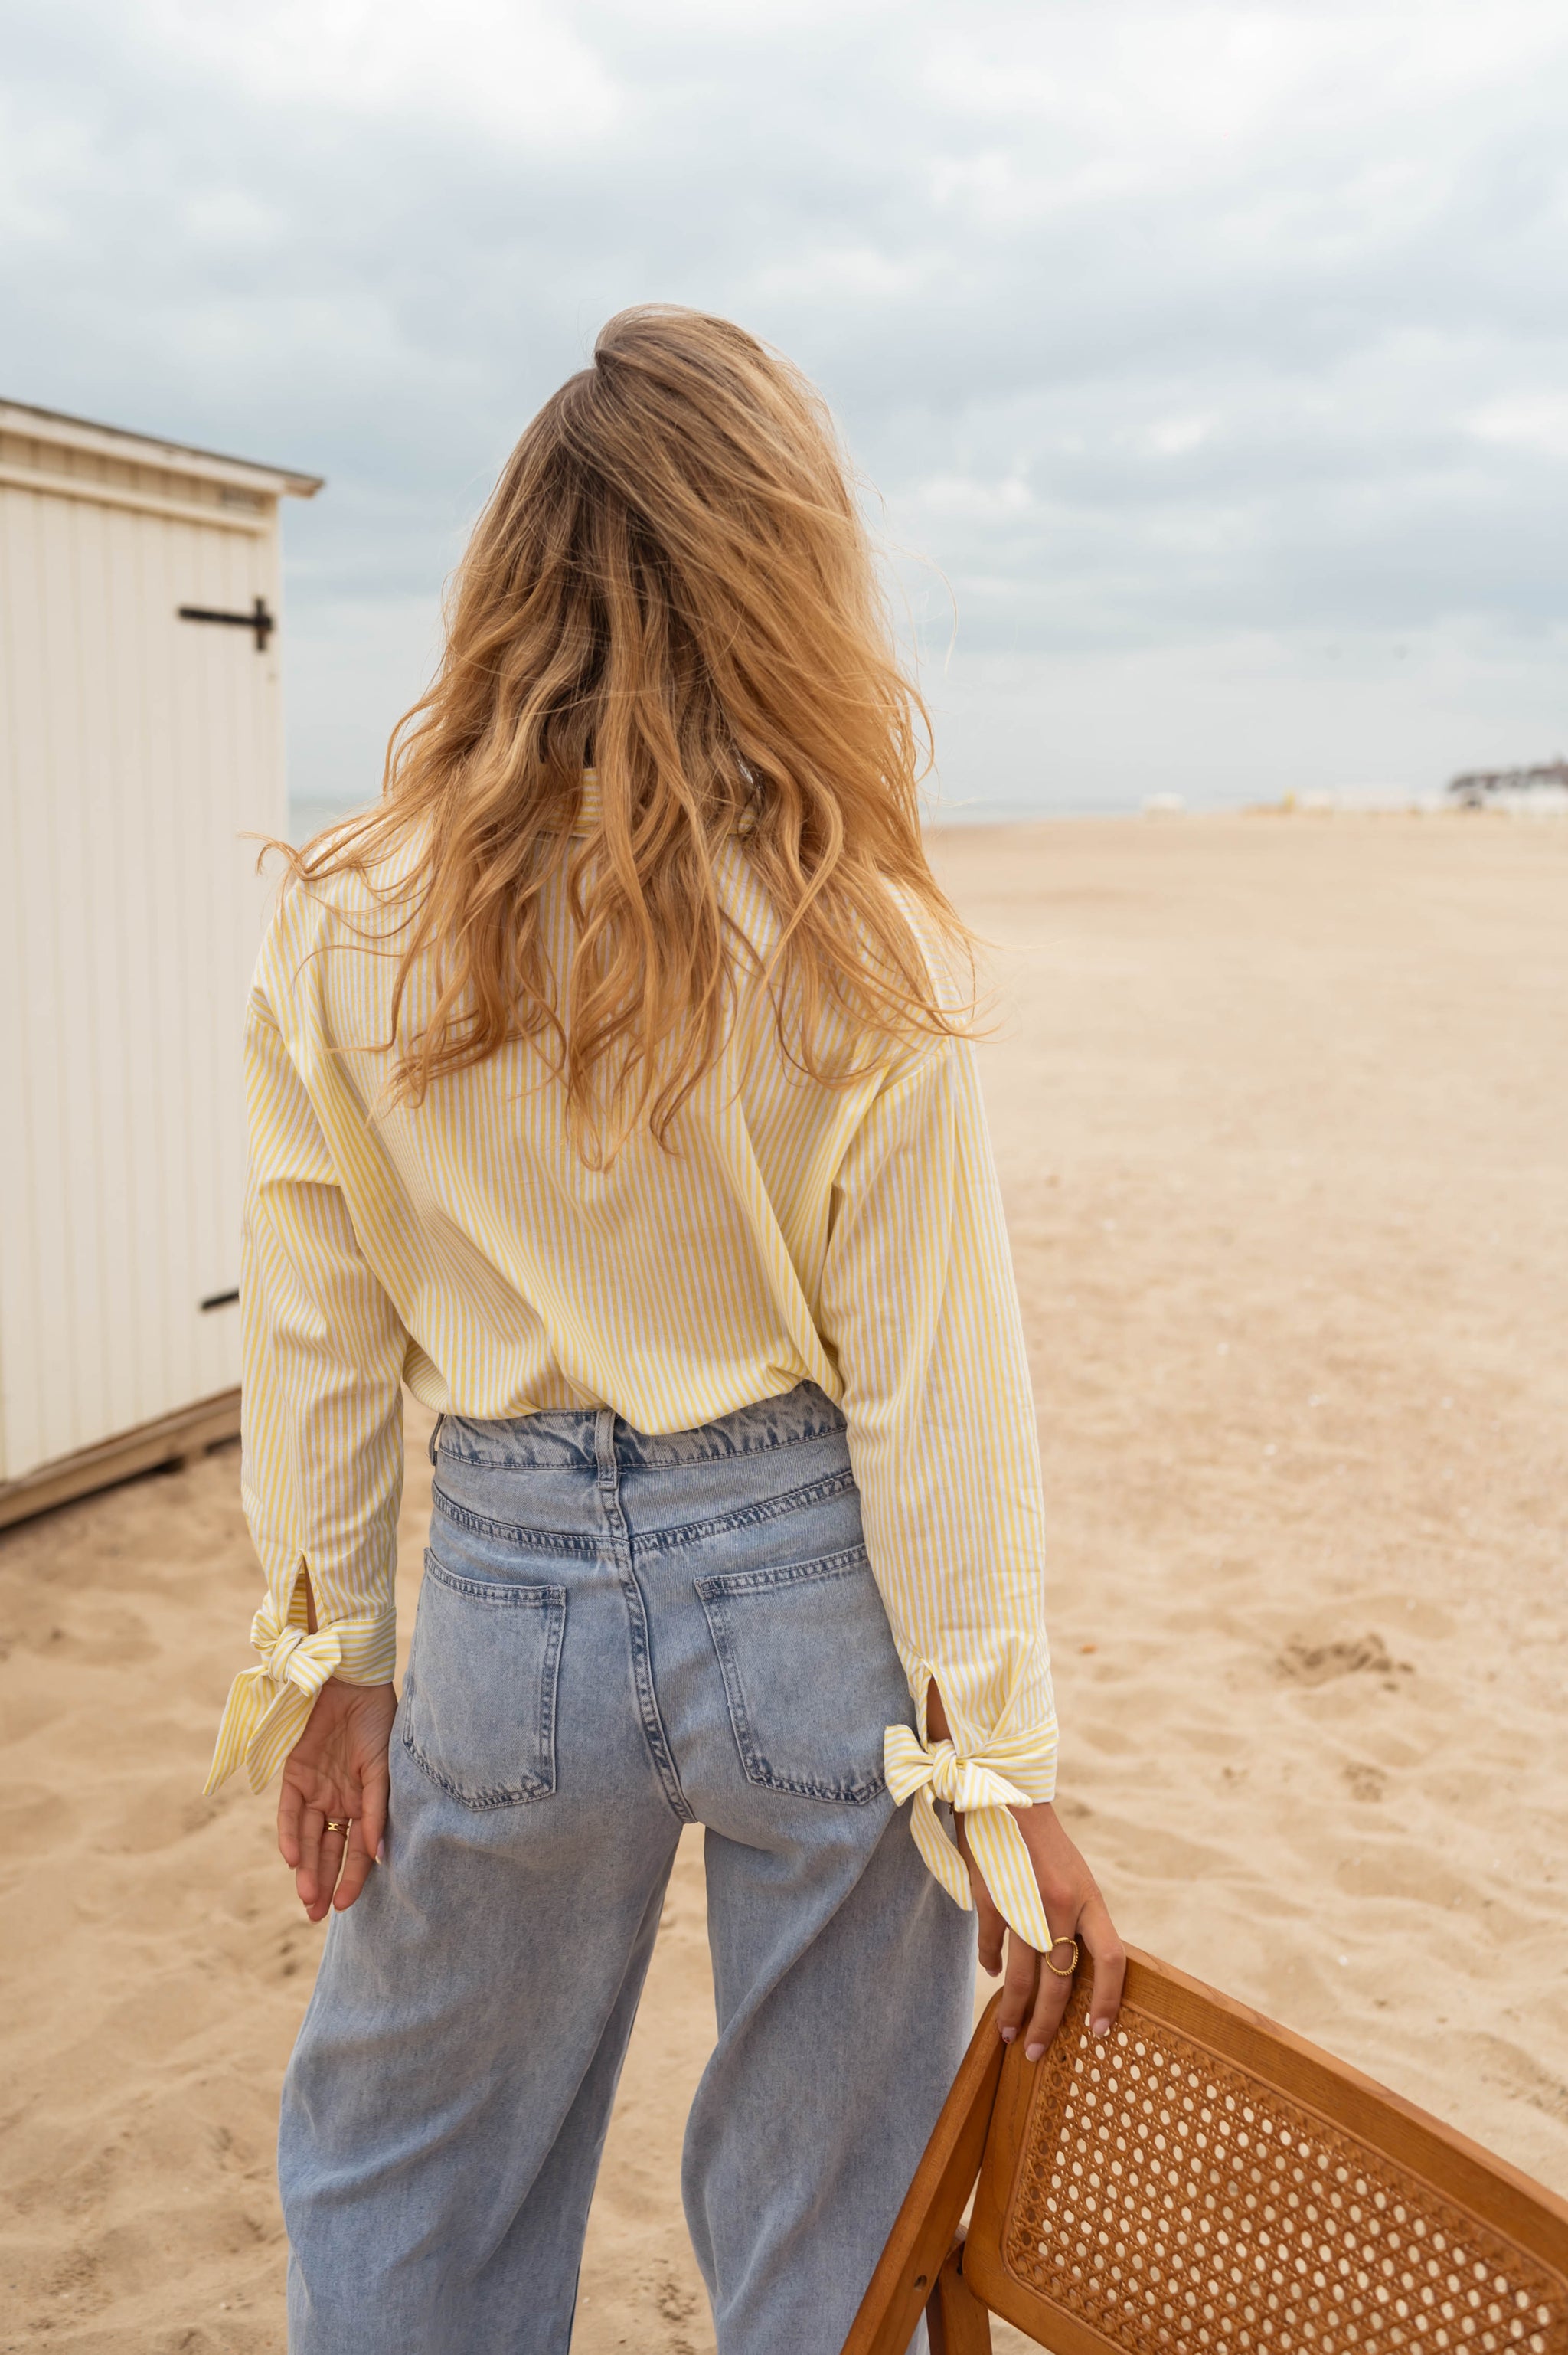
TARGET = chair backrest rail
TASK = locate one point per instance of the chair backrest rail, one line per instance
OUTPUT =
(1202, 2182)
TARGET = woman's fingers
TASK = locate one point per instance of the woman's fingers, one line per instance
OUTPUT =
(327, 1859)
(375, 1789)
(291, 1806)
(334, 1848)
(368, 1825)
(1050, 2000)
(1017, 1988)
(358, 1857)
(336, 1773)
(1096, 1936)
(1075, 1909)
(992, 1928)
(1098, 1933)
(308, 1871)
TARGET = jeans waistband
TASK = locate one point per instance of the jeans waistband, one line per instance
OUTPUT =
(562, 1438)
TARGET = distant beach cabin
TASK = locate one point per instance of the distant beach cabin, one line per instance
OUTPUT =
(1540, 788)
(140, 740)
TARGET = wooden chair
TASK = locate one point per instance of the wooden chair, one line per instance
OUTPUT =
(1201, 2183)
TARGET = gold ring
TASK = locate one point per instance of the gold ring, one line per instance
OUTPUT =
(343, 1824)
(1055, 1967)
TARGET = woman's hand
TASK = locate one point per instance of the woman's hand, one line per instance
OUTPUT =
(337, 1769)
(1075, 1909)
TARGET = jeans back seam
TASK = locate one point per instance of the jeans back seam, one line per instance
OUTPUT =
(653, 1734)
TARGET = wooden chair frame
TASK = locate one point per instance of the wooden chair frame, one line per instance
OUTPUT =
(1406, 2183)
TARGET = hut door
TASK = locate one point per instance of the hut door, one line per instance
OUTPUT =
(144, 748)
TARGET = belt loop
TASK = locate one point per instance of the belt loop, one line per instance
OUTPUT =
(436, 1437)
(604, 1448)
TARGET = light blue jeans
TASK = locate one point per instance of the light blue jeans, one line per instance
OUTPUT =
(619, 1635)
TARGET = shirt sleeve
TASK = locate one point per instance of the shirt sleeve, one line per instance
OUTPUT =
(322, 1475)
(921, 1308)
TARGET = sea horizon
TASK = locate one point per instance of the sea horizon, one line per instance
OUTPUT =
(308, 813)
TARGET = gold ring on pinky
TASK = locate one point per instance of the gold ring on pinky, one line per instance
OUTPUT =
(343, 1824)
(1056, 1967)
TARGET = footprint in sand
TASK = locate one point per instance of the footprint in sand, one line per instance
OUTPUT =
(1318, 1663)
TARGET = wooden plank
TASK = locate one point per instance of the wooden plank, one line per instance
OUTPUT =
(173, 1436)
(93, 894)
(200, 664)
(116, 789)
(22, 813)
(113, 495)
(50, 1013)
(52, 427)
(956, 2322)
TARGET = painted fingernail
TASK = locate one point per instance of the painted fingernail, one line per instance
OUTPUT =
(1008, 2034)
(1032, 2051)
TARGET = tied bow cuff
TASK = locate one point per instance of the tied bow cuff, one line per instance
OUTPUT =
(982, 1789)
(966, 1784)
(268, 1708)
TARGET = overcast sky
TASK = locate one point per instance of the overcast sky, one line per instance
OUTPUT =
(1211, 361)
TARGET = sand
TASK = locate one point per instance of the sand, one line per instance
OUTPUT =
(1281, 1111)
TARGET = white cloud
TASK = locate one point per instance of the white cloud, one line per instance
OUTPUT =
(961, 495)
(1157, 324)
(1533, 422)
(503, 67)
(834, 273)
(1172, 437)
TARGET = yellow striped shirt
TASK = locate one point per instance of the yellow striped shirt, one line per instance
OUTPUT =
(850, 1236)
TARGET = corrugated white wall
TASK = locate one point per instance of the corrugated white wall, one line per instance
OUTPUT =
(136, 749)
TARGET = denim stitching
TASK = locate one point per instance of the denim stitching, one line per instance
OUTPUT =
(715, 1591)
(640, 1460)
(495, 1590)
(746, 1517)
(653, 1733)
(788, 1573)
(556, 1541)
(484, 1460)
(581, 1549)
(730, 1452)
(647, 1456)
(528, 1788)
(549, 1685)
(527, 1793)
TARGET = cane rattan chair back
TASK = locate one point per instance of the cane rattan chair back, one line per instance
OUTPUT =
(1201, 2183)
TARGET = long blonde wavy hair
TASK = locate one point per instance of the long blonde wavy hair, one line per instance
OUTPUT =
(671, 583)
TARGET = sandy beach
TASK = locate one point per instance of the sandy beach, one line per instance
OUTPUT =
(1280, 1109)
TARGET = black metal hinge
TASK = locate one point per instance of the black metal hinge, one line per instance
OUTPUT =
(258, 619)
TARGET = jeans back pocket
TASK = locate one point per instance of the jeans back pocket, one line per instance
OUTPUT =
(810, 1674)
(479, 1700)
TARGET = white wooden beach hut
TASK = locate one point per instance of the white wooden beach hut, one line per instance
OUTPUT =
(140, 740)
